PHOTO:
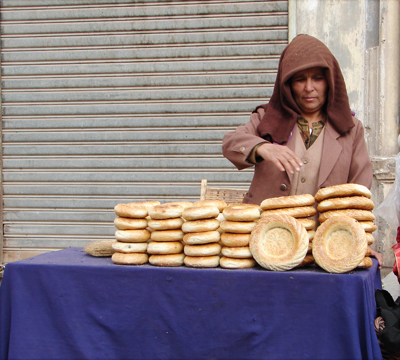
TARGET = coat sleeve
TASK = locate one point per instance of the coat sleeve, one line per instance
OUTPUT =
(361, 166)
(237, 145)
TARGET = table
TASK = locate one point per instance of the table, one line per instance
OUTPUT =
(69, 305)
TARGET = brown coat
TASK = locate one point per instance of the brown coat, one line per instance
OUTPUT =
(344, 159)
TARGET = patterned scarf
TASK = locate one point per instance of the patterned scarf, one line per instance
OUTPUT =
(304, 128)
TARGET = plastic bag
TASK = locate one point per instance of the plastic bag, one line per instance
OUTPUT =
(389, 209)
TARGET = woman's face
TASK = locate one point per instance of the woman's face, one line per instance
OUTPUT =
(309, 89)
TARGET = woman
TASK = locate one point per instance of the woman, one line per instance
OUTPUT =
(306, 137)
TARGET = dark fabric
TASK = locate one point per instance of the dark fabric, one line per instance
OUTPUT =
(69, 305)
(281, 112)
(389, 310)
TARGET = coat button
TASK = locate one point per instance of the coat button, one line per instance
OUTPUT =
(283, 187)
(242, 149)
(303, 180)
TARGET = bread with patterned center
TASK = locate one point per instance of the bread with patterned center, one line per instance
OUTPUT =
(279, 242)
(339, 244)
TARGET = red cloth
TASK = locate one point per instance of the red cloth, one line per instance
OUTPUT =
(281, 112)
(396, 250)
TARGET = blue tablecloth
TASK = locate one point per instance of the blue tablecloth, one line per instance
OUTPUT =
(69, 305)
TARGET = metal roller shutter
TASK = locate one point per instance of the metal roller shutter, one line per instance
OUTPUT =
(109, 101)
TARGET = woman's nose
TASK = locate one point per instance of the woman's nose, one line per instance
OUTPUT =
(309, 85)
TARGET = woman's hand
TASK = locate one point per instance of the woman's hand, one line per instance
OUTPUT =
(281, 156)
(378, 256)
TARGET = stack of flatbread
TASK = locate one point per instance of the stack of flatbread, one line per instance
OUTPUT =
(353, 201)
(132, 234)
(165, 224)
(239, 221)
(301, 207)
(201, 239)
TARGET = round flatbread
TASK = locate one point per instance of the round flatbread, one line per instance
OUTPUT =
(361, 215)
(297, 212)
(133, 235)
(220, 204)
(233, 240)
(242, 212)
(200, 225)
(129, 259)
(348, 202)
(130, 211)
(200, 212)
(202, 261)
(166, 211)
(202, 250)
(233, 263)
(339, 244)
(167, 235)
(238, 227)
(101, 248)
(279, 242)
(165, 224)
(199, 238)
(129, 223)
(287, 201)
(170, 260)
(164, 248)
(127, 248)
(308, 223)
(342, 190)
(239, 252)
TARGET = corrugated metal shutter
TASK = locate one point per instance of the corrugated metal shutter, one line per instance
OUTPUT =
(108, 101)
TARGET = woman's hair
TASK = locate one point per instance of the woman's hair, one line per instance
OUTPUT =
(282, 112)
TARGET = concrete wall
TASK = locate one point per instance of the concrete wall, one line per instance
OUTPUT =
(363, 35)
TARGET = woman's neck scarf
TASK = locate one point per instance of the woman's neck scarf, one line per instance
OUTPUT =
(282, 112)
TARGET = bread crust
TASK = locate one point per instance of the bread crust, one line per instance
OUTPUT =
(131, 211)
(141, 235)
(348, 202)
(297, 212)
(164, 248)
(279, 242)
(122, 223)
(127, 248)
(238, 227)
(368, 226)
(242, 212)
(342, 190)
(238, 252)
(165, 224)
(101, 248)
(203, 237)
(167, 235)
(220, 204)
(339, 244)
(202, 261)
(308, 223)
(129, 259)
(287, 201)
(357, 214)
(202, 250)
(166, 211)
(235, 263)
(169, 260)
(365, 263)
(232, 240)
(200, 212)
(200, 225)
